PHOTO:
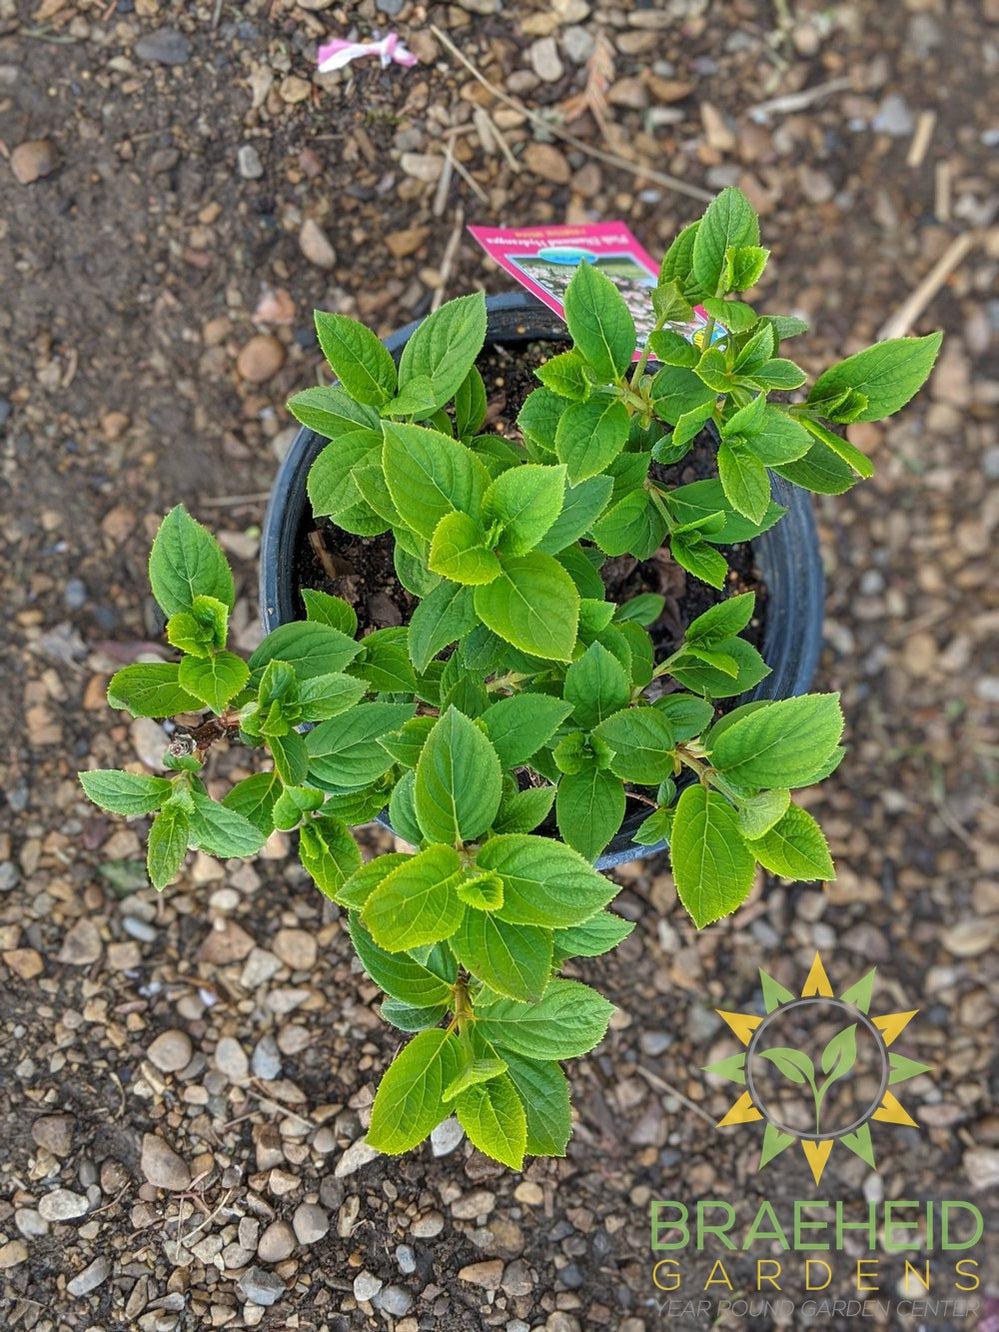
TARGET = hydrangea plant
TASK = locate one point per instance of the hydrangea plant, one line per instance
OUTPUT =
(510, 725)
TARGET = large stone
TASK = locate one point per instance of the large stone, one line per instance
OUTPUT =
(310, 1223)
(165, 46)
(32, 160)
(276, 1243)
(170, 1051)
(260, 1286)
(260, 359)
(54, 1133)
(90, 1278)
(62, 1205)
(161, 1165)
(315, 245)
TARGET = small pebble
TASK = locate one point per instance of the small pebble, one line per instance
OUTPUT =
(170, 1051)
(248, 162)
(165, 46)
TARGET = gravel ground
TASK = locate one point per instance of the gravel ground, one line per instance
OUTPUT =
(185, 1077)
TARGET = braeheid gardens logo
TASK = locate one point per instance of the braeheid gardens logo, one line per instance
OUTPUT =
(817, 1069)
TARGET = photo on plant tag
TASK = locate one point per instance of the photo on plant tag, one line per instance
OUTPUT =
(495, 817)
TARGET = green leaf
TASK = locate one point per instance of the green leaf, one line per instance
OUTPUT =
(821, 470)
(481, 1064)
(185, 562)
(167, 845)
(644, 609)
(778, 373)
(330, 485)
(291, 758)
(523, 811)
(402, 811)
(781, 744)
(711, 863)
(777, 438)
(794, 1064)
(221, 830)
(357, 358)
(677, 391)
(632, 526)
(568, 1021)
(658, 827)
(677, 263)
(850, 454)
(544, 1093)
(589, 809)
(539, 418)
(699, 559)
(889, 374)
(214, 680)
(687, 716)
(596, 686)
(492, 1115)
(751, 669)
(583, 504)
(744, 480)
(672, 348)
(759, 813)
(596, 936)
(794, 847)
(446, 614)
(735, 316)
(518, 726)
(642, 741)
(701, 500)
(429, 475)
(482, 891)
(458, 551)
(600, 322)
(409, 1101)
(406, 744)
(254, 798)
(416, 903)
(201, 630)
(470, 403)
(514, 960)
(407, 1018)
(331, 412)
(534, 605)
(719, 622)
(329, 854)
(325, 696)
(590, 434)
(544, 882)
(728, 222)
(526, 500)
(356, 890)
(398, 974)
(309, 648)
(344, 753)
(124, 792)
(445, 346)
(565, 374)
(418, 399)
(748, 263)
(330, 610)
(458, 781)
(151, 689)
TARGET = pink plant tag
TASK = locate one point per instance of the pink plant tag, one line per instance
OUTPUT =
(337, 53)
(543, 259)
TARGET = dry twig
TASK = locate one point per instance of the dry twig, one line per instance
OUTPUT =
(916, 302)
(797, 101)
(668, 1089)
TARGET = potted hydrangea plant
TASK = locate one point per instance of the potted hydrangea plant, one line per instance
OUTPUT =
(519, 716)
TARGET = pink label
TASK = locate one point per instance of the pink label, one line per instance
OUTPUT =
(544, 259)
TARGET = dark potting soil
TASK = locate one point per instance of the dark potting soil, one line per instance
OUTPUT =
(361, 569)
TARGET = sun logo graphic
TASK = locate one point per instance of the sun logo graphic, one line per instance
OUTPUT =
(817, 1068)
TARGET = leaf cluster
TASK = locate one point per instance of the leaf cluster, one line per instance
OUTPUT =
(517, 720)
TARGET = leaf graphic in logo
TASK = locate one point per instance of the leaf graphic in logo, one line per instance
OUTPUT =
(840, 1054)
(792, 1063)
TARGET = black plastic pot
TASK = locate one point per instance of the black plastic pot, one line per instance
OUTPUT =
(787, 555)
